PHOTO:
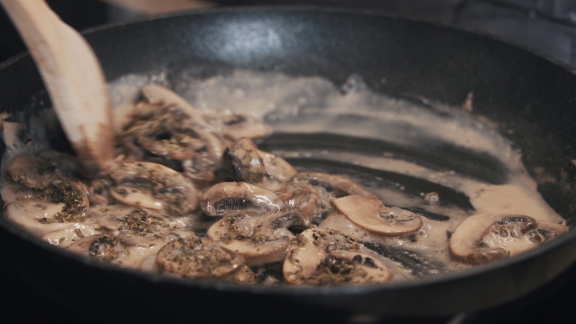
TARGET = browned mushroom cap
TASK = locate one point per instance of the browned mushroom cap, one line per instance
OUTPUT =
(487, 237)
(30, 171)
(159, 95)
(367, 269)
(190, 258)
(243, 163)
(276, 167)
(235, 126)
(372, 215)
(309, 261)
(260, 240)
(234, 198)
(152, 186)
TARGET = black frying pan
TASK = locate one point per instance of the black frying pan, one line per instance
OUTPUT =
(531, 98)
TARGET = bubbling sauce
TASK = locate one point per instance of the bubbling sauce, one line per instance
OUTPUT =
(432, 165)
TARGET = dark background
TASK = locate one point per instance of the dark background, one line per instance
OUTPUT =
(547, 27)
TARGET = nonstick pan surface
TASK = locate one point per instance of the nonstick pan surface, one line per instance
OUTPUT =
(530, 98)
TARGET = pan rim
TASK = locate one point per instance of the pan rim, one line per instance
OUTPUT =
(439, 279)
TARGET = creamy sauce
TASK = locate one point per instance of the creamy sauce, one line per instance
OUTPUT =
(312, 106)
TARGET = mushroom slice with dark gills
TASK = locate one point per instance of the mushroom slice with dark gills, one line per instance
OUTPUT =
(367, 269)
(325, 257)
(169, 132)
(235, 126)
(546, 231)
(487, 237)
(30, 171)
(373, 216)
(302, 198)
(200, 169)
(191, 258)
(243, 163)
(234, 198)
(260, 240)
(152, 186)
(162, 131)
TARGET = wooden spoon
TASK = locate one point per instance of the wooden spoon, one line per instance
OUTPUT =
(73, 77)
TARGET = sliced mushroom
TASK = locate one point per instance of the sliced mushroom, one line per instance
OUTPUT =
(233, 198)
(101, 247)
(166, 135)
(302, 198)
(260, 240)
(30, 171)
(546, 231)
(170, 133)
(487, 237)
(243, 275)
(201, 167)
(190, 258)
(110, 218)
(153, 186)
(70, 234)
(243, 163)
(367, 269)
(309, 256)
(156, 94)
(140, 227)
(336, 186)
(276, 167)
(303, 257)
(235, 126)
(73, 197)
(32, 215)
(372, 215)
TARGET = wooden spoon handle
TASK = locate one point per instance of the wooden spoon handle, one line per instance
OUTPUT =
(73, 77)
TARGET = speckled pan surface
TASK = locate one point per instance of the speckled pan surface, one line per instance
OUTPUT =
(530, 98)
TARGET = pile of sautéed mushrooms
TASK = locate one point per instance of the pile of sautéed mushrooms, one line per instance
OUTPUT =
(190, 194)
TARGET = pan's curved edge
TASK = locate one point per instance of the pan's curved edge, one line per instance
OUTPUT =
(565, 242)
